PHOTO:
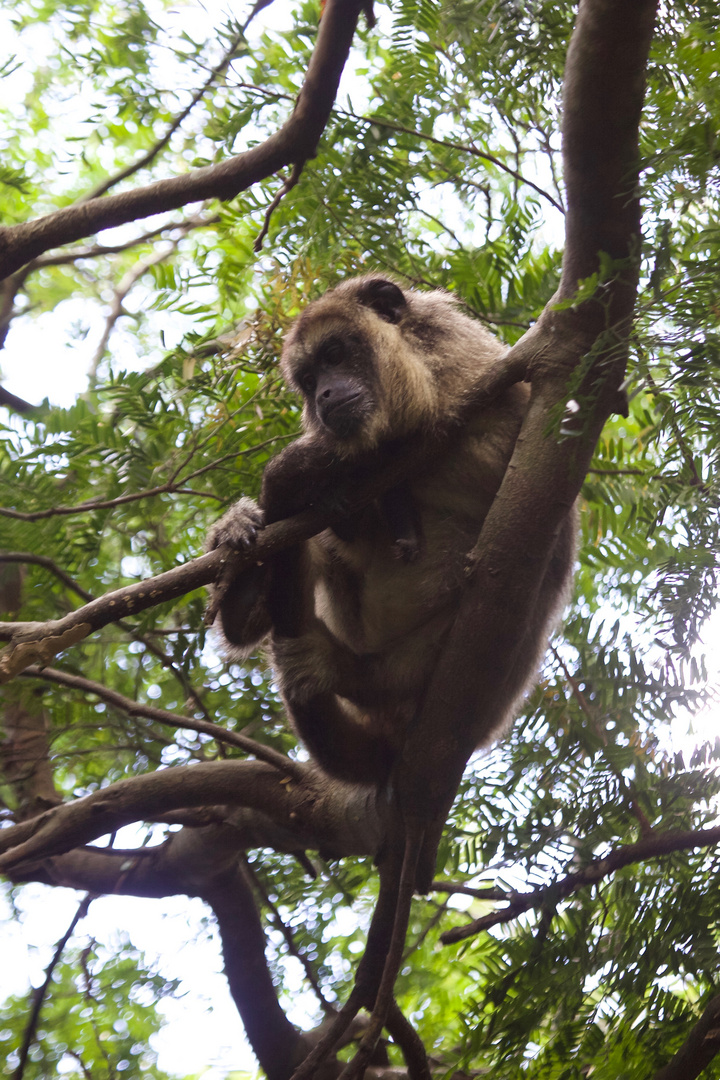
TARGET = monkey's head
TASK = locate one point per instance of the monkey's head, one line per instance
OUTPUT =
(374, 361)
(352, 356)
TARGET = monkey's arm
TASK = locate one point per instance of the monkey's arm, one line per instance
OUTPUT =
(304, 475)
(309, 474)
(243, 611)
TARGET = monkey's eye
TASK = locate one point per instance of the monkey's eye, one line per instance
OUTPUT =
(332, 353)
(307, 382)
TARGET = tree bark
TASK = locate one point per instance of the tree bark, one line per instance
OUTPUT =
(546, 470)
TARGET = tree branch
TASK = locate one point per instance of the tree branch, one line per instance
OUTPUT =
(698, 1050)
(170, 488)
(650, 847)
(277, 1044)
(30, 559)
(182, 864)
(120, 293)
(13, 402)
(169, 719)
(546, 471)
(378, 967)
(38, 995)
(25, 756)
(98, 251)
(294, 142)
(287, 933)
(341, 818)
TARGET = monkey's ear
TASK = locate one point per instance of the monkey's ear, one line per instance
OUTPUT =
(384, 297)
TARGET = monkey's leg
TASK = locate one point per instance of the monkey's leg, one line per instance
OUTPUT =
(243, 613)
(307, 660)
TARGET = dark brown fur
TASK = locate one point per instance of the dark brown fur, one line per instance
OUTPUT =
(359, 613)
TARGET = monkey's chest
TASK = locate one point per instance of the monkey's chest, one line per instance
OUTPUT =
(373, 602)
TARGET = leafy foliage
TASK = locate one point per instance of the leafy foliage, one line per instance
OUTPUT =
(97, 1019)
(440, 166)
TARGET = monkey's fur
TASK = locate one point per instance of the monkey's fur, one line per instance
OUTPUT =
(359, 613)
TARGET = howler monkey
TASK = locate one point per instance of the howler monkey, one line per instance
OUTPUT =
(358, 614)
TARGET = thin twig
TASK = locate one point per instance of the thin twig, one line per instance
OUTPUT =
(151, 154)
(441, 910)
(98, 504)
(97, 251)
(392, 125)
(27, 557)
(654, 846)
(288, 185)
(169, 719)
(466, 890)
(119, 295)
(41, 992)
(145, 639)
(628, 790)
(287, 933)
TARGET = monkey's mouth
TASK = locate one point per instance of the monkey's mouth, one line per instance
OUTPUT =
(344, 417)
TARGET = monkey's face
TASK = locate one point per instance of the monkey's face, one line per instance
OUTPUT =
(336, 380)
(361, 373)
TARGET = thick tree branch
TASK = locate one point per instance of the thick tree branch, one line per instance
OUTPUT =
(342, 818)
(296, 141)
(183, 864)
(698, 1050)
(653, 846)
(24, 754)
(603, 93)
(13, 402)
(277, 1044)
(546, 471)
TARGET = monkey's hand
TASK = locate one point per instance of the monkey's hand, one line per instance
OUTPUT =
(407, 548)
(239, 527)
